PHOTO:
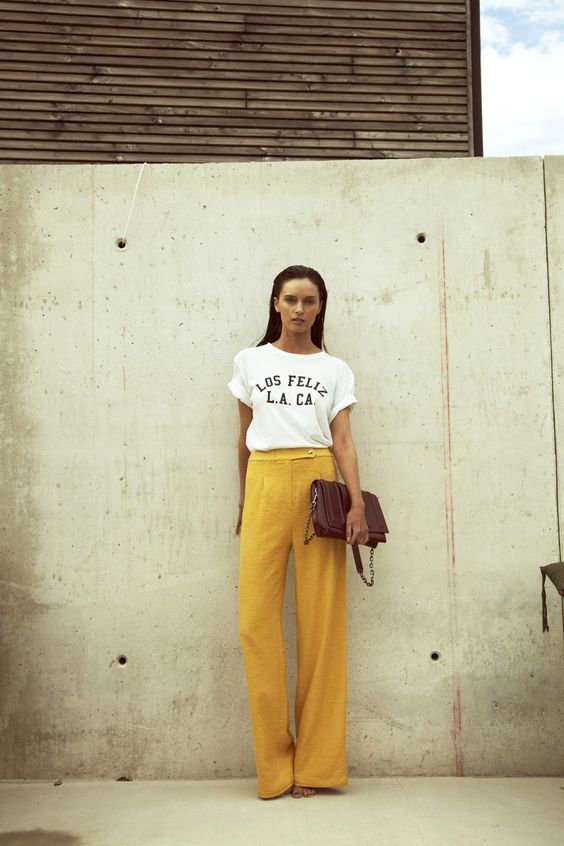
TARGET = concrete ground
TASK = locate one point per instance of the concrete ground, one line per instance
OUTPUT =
(389, 811)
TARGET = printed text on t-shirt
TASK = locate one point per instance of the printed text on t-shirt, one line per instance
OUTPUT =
(293, 381)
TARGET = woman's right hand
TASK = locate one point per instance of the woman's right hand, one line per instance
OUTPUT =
(238, 526)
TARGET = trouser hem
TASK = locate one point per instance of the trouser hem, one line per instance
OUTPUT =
(276, 792)
(325, 784)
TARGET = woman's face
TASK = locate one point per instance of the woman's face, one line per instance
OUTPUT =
(298, 305)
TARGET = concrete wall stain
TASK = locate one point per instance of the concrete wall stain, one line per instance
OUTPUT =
(20, 255)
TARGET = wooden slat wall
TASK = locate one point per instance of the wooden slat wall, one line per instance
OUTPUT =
(143, 80)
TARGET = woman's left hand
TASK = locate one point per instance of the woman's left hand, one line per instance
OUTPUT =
(357, 527)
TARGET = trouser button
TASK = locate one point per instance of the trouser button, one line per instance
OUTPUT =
(310, 452)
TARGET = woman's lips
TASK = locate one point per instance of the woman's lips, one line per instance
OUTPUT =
(297, 320)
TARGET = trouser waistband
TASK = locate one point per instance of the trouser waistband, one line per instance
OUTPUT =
(285, 453)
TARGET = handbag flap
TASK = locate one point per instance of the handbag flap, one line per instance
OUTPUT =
(334, 502)
(330, 496)
(373, 513)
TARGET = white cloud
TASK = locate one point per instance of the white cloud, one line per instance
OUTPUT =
(510, 4)
(522, 97)
(492, 31)
(544, 12)
(525, 6)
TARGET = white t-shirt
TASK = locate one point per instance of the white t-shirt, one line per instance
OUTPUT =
(294, 397)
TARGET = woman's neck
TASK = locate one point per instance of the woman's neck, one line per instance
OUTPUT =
(299, 345)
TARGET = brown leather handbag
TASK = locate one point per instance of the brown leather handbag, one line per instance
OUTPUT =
(330, 504)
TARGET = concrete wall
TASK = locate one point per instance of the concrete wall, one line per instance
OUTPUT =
(120, 459)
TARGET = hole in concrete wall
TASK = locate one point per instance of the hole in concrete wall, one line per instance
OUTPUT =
(122, 659)
(122, 243)
(421, 237)
(435, 655)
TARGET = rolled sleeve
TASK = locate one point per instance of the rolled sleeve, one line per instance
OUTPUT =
(344, 391)
(238, 384)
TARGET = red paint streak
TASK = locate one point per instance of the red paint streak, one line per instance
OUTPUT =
(449, 514)
(446, 409)
(457, 733)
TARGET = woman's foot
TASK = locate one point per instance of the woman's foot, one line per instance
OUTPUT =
(298, 791)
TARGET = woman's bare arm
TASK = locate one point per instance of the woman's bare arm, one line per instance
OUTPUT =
(345, 455)
(245, 418)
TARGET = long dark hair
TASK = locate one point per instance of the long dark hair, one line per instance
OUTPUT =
(274, 328)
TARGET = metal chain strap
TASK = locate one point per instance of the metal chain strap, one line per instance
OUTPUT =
(308, 539)
(371, 565)
(310, 512)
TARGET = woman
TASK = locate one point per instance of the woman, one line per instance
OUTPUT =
(294, 401)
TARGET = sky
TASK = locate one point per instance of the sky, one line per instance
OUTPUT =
(522, 66)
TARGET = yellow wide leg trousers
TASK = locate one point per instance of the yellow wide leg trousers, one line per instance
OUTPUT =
(277, 500)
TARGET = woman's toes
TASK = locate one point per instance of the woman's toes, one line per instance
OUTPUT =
(303, 791)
